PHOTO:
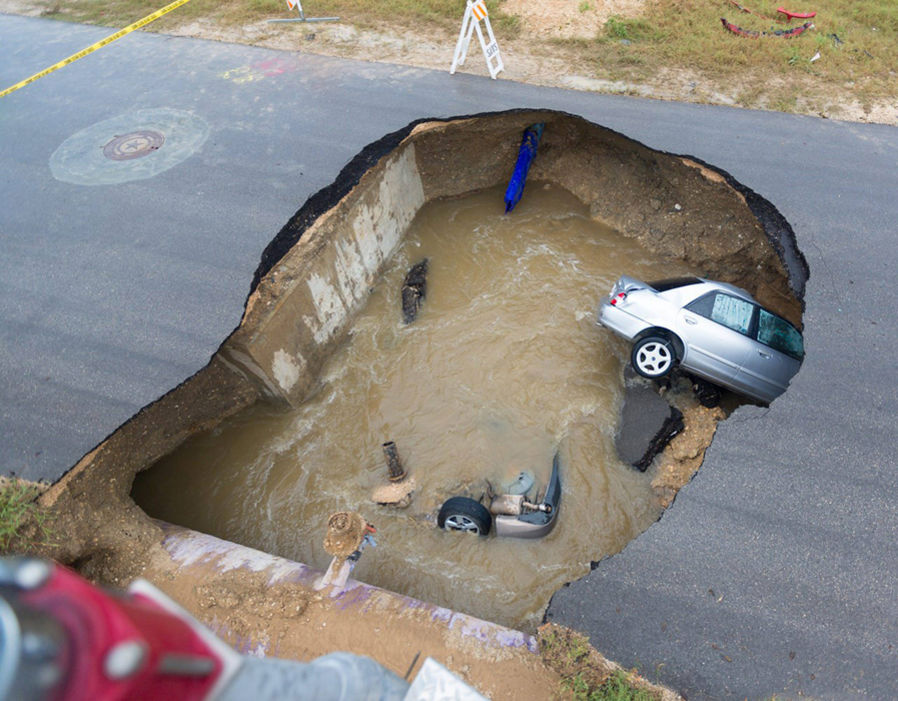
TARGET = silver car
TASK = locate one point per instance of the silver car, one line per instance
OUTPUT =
(710, 329)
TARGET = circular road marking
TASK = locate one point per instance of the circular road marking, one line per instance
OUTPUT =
(132, 146)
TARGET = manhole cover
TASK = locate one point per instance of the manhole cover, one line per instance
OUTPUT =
(114, 151)
(135, 144)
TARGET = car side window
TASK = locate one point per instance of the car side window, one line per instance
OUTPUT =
(780, 335)
(732, 312)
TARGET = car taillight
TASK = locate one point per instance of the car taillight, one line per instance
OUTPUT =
(619, 297)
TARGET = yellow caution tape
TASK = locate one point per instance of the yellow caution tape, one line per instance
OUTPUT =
(99, 45)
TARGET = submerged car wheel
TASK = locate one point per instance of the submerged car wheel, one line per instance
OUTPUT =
(653, 357)
(464, 514)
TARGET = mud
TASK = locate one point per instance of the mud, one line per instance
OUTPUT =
(681, 209)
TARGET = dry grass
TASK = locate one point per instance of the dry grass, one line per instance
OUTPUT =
(23, 525)
(437, 14)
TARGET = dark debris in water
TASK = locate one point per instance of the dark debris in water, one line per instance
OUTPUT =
(414, 289)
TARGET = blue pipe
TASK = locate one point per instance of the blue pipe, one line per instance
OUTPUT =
(526, 154)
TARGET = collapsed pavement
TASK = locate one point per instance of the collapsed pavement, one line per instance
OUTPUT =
(647, 422)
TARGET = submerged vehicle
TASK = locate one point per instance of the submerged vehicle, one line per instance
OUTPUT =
(514, 515)
(713, 330)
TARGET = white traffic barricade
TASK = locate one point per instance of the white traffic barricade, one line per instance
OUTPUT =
(475, 13)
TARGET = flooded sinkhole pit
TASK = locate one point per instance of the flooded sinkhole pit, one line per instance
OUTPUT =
(503, 367)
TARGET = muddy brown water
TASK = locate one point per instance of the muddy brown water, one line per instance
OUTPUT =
(504, 366)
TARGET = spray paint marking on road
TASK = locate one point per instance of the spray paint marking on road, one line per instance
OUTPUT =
(262, 69)
(99, 45)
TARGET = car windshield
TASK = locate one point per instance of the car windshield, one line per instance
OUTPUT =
(780, 335)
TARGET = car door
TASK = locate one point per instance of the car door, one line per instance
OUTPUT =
(775, 359)
(715, 330)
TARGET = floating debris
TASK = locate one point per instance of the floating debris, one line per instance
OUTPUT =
(397, 473)
(348, 533)
(414, 289)
(345, 532)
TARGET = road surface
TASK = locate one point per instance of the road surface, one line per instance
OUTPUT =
(773, 572)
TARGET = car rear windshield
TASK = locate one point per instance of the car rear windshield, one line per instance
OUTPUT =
(673, 283)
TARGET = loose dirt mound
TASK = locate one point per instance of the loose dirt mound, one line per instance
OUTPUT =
(569, 19)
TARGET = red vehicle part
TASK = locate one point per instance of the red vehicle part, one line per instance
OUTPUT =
(118, 646)
(796, 15)
(787, 15)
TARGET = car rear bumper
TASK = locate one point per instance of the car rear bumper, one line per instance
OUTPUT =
(618, 320)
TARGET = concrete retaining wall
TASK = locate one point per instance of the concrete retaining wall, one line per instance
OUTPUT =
(302, 308)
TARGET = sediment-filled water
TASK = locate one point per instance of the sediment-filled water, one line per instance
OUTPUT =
(503, 367)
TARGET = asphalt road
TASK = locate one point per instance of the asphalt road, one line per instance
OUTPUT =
(773, 572)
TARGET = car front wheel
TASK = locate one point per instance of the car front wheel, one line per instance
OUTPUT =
(653, 357)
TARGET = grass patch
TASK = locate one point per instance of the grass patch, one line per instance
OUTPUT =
(585, 674)
(617, 28)
(857, 43)
(23, 526)
(618, 688)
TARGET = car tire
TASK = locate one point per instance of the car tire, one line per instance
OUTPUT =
(465, 515)
(653, 357)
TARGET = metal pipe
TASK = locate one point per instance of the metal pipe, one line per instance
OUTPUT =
(397, 473)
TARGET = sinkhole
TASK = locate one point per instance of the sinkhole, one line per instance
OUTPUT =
(503, 367)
